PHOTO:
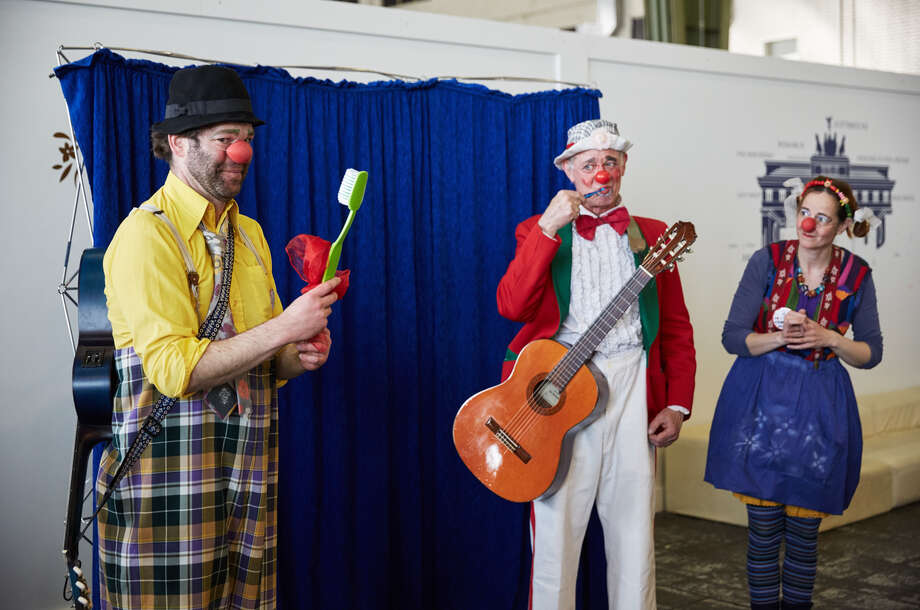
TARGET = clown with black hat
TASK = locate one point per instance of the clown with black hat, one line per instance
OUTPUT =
(208, 102)
(202, 343)
(570, 263)
(204, 96)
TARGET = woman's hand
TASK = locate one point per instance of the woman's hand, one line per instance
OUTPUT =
(801, 332)
(798, 332)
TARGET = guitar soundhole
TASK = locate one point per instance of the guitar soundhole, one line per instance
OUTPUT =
(544, 397)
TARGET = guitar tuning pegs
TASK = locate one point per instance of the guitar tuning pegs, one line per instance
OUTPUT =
(78, 571)
(83, 601)
(78, 584)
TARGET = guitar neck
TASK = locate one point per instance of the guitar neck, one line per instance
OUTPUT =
(585, 347)
(86, 438)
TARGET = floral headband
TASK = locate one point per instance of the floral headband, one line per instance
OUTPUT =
(844, 200)
(796, 189)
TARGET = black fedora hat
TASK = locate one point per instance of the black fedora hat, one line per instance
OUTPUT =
(205, 95)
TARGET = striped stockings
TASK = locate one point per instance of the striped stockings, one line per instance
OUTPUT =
(765, 533)
(801, 561)
(767, 526)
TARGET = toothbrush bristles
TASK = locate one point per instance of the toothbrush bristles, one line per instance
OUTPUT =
(347, 186)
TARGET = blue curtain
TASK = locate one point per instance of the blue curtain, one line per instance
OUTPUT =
(376, 509)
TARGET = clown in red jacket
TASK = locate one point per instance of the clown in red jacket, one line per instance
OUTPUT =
(569, 264)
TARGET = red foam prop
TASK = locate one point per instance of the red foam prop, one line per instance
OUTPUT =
(240, 152)
(808, 224)
(321, 342)
(308, 255)
(602, 177)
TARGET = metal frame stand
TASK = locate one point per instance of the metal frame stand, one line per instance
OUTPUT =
(66, 288)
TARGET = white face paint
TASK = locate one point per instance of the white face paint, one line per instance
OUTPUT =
(582, 171)
(493, 458)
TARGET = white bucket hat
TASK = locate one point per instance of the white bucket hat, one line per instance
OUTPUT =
(596, 134)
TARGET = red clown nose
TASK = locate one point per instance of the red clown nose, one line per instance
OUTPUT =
(602, 177)
(240, 152)
(808, 224)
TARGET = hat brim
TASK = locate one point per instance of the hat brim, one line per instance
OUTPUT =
(620, 143)
(184, 123)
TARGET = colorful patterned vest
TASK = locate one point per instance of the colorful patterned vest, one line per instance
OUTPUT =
(837, 302)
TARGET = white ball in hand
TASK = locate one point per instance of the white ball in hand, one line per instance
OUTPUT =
(779, 316)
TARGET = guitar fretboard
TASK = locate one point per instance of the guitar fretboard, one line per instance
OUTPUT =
(585, 347)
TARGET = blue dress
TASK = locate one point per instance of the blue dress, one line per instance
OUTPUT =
(786, 426)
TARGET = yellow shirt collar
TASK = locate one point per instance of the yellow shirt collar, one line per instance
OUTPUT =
(187, 208)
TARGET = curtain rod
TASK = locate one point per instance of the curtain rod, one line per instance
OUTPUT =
(172, 54)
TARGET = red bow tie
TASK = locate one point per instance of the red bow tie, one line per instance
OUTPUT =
(618, 219)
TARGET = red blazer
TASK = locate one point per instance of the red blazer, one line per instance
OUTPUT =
(536, 290)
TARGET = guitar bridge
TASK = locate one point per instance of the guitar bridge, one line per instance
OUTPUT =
(507, 440)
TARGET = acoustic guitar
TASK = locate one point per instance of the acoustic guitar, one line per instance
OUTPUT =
(516, 437)
(94, 382)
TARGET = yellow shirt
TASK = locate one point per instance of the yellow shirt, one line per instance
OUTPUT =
(150, 304)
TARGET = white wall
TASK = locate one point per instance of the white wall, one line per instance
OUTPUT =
(546, 13)
(703, 122)
(873, 34)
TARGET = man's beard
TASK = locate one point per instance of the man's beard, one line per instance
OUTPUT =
(209, 176)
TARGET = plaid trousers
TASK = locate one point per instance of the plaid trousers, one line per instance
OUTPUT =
(194, 525)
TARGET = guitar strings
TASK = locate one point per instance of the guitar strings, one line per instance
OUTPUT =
(529, 413)
(633, 286)
(567, 370)
(563, 372)
(520, 424)
(526, 417)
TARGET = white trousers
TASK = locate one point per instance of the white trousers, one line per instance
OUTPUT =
(612, 464)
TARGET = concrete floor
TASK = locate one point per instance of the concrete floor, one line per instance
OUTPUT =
(869, 565)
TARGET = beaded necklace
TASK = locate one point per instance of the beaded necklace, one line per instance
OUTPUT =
(786, 262)
(803, 287)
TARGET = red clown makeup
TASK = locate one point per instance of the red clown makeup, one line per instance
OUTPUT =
(604, 176)
(240, 152)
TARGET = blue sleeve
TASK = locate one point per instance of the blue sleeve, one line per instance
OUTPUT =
(747, 303)
(865, 321)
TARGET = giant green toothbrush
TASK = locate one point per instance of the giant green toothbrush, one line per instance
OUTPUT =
(351, 194)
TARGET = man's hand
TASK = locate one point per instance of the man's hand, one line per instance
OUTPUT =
(314, 352)
(306, 316)
(562, 210)
(304, 319)
(665, 428)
